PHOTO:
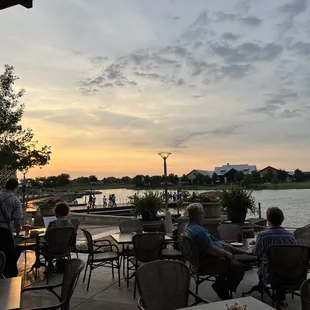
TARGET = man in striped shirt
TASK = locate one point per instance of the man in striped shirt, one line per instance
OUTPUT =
(275, 234)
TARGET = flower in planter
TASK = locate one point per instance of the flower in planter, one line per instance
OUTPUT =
(236, 306)
(203, 197)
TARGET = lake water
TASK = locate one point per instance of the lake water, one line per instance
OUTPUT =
(293, 202)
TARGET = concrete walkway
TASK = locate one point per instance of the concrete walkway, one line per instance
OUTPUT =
(104, 292)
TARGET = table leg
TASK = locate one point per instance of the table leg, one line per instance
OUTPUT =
(37, 264)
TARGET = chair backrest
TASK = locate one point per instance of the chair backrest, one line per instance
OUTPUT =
(73, 268)
(305, 295)
(302, 235)
(181, 229)
(190, 248)
(288, 264)
(163, 285)
(129, 226)
(148, 246)
(229, 232)
(89, 241)
(75, 223)
(2, 264)
(60, 239)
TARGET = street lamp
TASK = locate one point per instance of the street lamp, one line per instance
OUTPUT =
(168, 220)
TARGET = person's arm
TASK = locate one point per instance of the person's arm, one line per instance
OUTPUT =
(258, 249)
(211, 249)
(216, 251)
(17, 215)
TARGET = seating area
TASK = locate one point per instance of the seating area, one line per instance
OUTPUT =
(106, 290)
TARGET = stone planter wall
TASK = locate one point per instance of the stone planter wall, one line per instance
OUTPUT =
(211, 209)
(95, 219)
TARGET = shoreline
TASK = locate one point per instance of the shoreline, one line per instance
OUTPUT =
(266, 186)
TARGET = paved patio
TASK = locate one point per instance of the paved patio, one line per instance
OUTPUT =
(104, 292)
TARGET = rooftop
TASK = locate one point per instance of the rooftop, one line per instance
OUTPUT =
(104, 292)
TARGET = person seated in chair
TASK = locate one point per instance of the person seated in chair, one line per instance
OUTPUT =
(61, 211)
(213, 258)
(275, 234)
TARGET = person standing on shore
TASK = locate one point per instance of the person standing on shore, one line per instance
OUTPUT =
(10, 211)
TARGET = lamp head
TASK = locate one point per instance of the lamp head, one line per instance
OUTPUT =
(164, 155)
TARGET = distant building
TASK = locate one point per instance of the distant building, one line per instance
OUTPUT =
(8, 3)
(274, 171)
(227, 173)
(194, 173)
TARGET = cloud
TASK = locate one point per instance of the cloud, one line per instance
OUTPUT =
(290, 11)
(178, 142)
(248, 52)
(230, 36)
(251, 21)
(301, 48)
(225, 17)
(290, 113)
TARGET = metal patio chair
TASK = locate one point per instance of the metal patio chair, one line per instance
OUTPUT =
(164, 285)
(2, 264)
(305, 295)
(147, 248)
(101, 254)
(287, 267)
(72, 271)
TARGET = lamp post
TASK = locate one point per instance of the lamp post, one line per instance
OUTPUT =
(168, 220)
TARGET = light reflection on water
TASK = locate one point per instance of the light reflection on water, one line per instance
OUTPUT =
(293, 202)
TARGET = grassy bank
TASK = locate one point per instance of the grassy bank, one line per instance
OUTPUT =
(79, 187)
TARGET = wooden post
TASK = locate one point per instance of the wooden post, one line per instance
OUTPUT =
(259, 211)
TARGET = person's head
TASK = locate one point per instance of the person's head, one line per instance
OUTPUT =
(61, 209)
(195, 212)
(11, 184)
(274, 216)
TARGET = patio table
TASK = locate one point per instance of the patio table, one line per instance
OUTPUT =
(252, 304)
(37, 264)
(126, 239)
(247, 248)
(10, 291)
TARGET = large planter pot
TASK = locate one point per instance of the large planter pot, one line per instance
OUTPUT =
(148, 216)
(237, 216)
(211, 209)
(46, 211)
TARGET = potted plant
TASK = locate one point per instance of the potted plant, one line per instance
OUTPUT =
(236, 202)
(147, 205)
(210, 203)
(46, 208)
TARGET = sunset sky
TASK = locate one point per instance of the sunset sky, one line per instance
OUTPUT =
(110, 83)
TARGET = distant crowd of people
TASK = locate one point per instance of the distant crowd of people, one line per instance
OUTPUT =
(172, 197)
(106, 202)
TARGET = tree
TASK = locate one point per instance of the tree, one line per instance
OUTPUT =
(282, 175)
(299, 175)
(18, 149)
(92, 179)
(156, 180)
(239, 176)
(184, 179)
(173, 178)
(255, 177)
(215, 178)
(138, 181)
(63, 179)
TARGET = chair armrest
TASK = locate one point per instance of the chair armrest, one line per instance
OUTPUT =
(140, 306)
(46, 308)
(104, 246)
(49, 288)
(198, 299)
(101, 240)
